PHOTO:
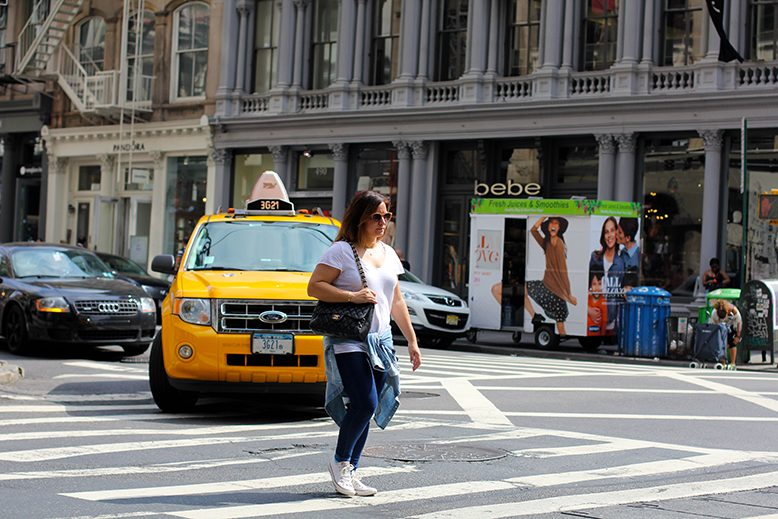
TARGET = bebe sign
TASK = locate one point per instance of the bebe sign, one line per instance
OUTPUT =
(512, 189)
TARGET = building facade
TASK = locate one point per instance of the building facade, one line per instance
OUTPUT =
(126, 147)
(435, 102)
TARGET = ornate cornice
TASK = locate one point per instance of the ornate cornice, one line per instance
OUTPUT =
(606, 142)
(403, 150)
(627, 142)
(420, 149)
(339, 151)
(713, 139)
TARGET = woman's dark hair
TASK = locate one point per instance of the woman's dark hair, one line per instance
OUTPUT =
(602, 235)
(360, 210)
(560, 234)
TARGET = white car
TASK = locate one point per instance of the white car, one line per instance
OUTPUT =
(437, 315)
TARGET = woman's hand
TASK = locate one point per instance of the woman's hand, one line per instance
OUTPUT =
(363, 296)
(573, 301)
(415, 353)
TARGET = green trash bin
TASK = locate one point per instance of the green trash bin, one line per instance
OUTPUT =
(730, 294)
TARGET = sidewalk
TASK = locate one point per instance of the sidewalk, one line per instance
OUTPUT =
(9, 373)
(502, 343)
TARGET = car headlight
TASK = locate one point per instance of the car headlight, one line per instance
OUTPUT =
(410, 296)
(147, 305)
(56, 305)
(193, 311)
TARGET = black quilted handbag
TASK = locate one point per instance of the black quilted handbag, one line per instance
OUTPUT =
(344, 320)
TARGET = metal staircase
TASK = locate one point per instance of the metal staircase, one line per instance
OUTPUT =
(42, 34)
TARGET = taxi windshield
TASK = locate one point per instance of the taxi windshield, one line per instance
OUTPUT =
(282, 246)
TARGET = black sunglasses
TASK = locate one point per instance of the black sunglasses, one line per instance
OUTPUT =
(377, 217)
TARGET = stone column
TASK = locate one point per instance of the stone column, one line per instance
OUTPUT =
(222, 159)
(107, 176)
(711, 218)
(606, 171)
(403, 195)
(280, 158)
(156, 239)
(286, 42)
(11, 157)
(359, 44)
(569, 32)
(649, 12)
(494, 39)
(55, 228)
(711, 40)
(347, 14)
(227, 65)
(633, 12)
(554, 19)
(243, 16)
(416, 222)
(340, 181)
(424, 41)
(300, 6)
(160, 92)
(478, 40)
(624, 190)
(409, 40)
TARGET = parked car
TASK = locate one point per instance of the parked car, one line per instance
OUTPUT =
(438, 316)
(127, 270)
(55, 293)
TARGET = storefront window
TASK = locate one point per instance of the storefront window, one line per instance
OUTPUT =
(462, 167)
(683, 22)
(764, 30)
(575, 170)
(520, 165)
(523, 37)
(672, 211)
(138, 179)
(452, 40)
(601, 24)
(377, 170)
(761, 255)
(248, 168)
(185, 202)
(89, 178)
(316, 172)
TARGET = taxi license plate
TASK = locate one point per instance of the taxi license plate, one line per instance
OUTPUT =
(272, 343)
(452, 320)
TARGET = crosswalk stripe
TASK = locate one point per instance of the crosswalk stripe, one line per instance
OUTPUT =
(477, 406)
(732, 391)
(228, 486)
(59, 408)
(570, 503)
(332, 503)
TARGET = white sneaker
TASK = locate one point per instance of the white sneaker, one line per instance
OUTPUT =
(341, 476)
(360, 488)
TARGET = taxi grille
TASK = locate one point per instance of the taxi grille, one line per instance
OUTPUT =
(107, 307)
(243, 316)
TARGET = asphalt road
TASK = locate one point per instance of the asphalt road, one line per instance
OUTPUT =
(477, 435)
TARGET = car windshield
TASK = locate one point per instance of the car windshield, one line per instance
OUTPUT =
(260, 246)
(407, 276)
(52, 263)
(124, 265)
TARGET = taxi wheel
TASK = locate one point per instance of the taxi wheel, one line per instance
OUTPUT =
(15, 331)
(167, 398)
(545, 337)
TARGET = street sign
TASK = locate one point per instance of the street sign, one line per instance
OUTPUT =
(768, 207)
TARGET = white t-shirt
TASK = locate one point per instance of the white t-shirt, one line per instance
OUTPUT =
(382, 281)
(732, 320)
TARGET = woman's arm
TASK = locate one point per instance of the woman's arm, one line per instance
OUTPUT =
(320, 286)
(403, 320)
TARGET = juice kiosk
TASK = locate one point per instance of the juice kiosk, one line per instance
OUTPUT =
(553, 268)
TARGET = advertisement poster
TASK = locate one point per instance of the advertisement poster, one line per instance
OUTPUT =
(614, 266)
(556, 273)
(486, 273)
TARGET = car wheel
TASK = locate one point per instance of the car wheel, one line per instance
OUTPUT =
(590, 344)
(15, 331)
(133, 350)
(167, 398)
(472, 335)
(545, 337)
(436, 342)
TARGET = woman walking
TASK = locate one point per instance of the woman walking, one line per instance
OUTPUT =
(364, 372)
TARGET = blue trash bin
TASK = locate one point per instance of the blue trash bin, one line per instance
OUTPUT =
(643, 330)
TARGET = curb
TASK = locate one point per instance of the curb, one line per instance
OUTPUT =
(10, 373)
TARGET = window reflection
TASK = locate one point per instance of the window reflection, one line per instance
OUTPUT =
(683, 22)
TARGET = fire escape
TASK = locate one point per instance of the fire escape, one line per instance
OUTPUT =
(91, 91)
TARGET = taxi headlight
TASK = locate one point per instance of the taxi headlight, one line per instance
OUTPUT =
(147, 305)
(52, 304)
(193, 311)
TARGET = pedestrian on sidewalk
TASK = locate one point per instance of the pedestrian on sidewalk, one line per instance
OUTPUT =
(728, 314)
(366, 373)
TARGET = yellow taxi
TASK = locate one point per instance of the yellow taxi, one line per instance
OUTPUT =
(236, 319)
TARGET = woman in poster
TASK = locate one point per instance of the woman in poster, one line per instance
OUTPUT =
(609, 261)
(552, 293)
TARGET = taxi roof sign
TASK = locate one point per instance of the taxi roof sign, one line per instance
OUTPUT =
(269, 196)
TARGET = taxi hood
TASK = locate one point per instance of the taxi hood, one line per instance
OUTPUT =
(290, 286)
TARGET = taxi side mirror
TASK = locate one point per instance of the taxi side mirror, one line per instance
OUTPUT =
(164, 264)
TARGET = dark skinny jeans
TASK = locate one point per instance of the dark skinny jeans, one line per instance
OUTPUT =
(362, 384)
